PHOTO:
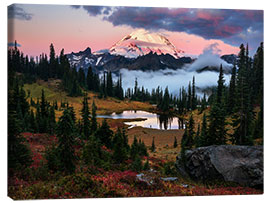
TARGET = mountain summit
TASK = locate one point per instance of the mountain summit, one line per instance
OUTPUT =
(142, 42)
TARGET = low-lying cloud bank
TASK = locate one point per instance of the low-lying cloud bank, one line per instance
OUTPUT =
(209, 57)
(175, 79)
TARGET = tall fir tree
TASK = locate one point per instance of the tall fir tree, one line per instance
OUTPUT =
(85, 113)
(232, 91)
(189, 97)
(105, 134)
(193, 95)
(90, 79)
(119, 149)
(203, 136)
(94, 118)
(217, 125)
(109, 84)
(243, 116)
(65, 135)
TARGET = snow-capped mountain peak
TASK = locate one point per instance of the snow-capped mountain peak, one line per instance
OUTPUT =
(141, 42)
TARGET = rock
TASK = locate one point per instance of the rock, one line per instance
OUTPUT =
(169, 179)
(146, 179)
(230, 163)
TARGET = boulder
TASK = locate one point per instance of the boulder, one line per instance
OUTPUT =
(230, 163)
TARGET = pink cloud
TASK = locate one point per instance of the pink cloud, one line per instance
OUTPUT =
(194, 45)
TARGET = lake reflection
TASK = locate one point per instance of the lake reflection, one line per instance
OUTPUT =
(152, 120)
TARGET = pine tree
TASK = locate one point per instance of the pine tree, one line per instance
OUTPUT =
(232, 91)
(165, 104)
(119, 89)
(94, 118)
(137, 164)
(203, 136)
(258, 126)
(175, 143)
(51, 120)
(146, 165)
(217, 132)
(135, 89)
(19, 154)
(189, 97)
(197, 140)
(104, 89)
(92, 152)
(53, 63)
(243, 116)
(189, 142)
(81, 78)
(134, 148)
(258, 75)
(193, 95)
(119, 148)
(203, 103)
(109, 85)
(105, 134)
(85, 112)
(33, 124)
(90, 79)
(153, 146)
(184, 146)
(65, 135)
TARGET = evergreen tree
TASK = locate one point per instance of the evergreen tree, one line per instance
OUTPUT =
(92, 152)
(90, 79)
(189, 97)
(85, 112)
(175, 142)
(243, 116)
(165, 105)
(217, 132)
(232, 91)
(75, 90)
(51, 120)
(81, 78)
(119, 148)
(19, 154)
(198, 136)
(258, 127)
(146, 166)
(65, 135)
(105, 134)
(94, 118)
(203, 136)
(134, 148)
(258, 75)
(104, 89)
(137, 164)
(53, 63)
(153, 146)
(109, 85)
(203, 103)
(142, 150)
(135, 89)
(118, 89)
(189, 142)
(32, 121)
(193, 95)
(184, 145)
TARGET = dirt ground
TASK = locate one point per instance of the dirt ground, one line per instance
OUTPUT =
(164, 140)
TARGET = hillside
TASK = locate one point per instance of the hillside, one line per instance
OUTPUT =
(104, 106)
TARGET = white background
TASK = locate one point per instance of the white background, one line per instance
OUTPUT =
(229, 4)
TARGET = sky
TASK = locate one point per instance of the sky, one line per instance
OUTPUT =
(75, 28)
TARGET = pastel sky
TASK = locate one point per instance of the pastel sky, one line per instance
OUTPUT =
(75, 28)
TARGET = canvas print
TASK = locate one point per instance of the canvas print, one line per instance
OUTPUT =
(134, 101)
